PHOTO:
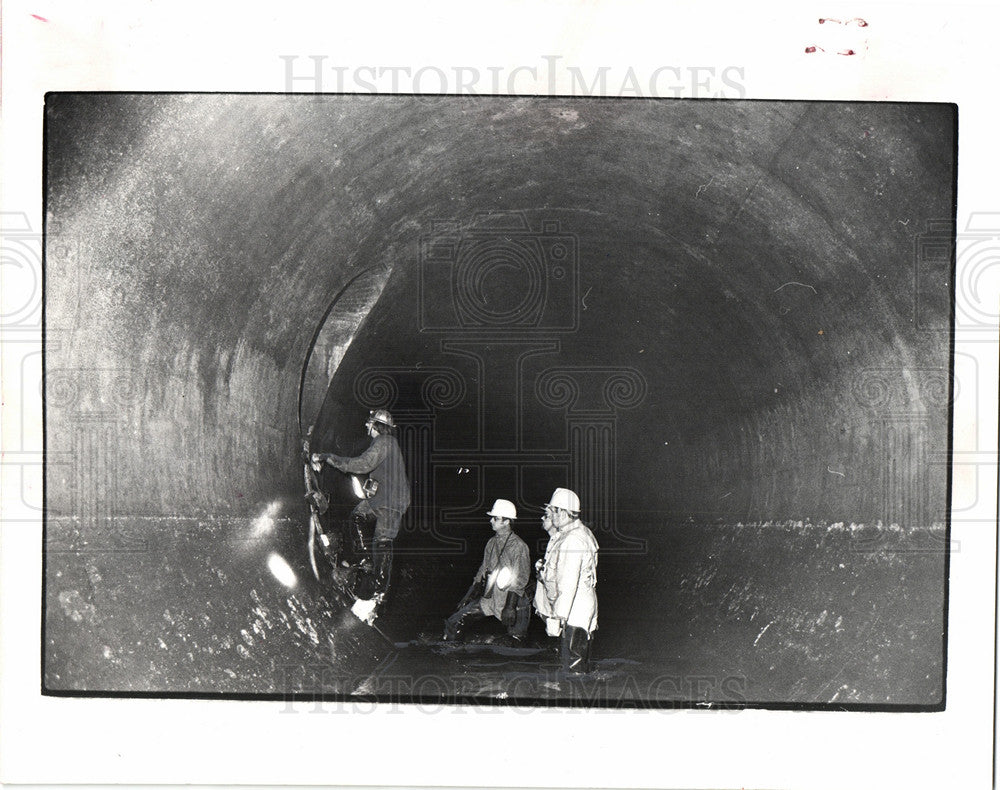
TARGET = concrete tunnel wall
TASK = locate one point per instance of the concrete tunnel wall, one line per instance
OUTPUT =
(753, 261)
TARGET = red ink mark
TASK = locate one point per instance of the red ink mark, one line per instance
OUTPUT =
(40, 18)
(810, 50)
(856, 21)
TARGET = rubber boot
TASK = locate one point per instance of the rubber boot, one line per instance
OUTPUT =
(522, 617)
(345, 579)
(465, 614)
(359, 531)
(365, 586)
(382, 561)
(330, 543)
(582, 641)
(574, 650)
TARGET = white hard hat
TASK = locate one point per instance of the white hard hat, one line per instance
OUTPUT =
(565, 499)
(503, 508)
(382, 416)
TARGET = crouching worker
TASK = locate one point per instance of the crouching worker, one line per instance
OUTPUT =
(383, 463)
(498, 589)
(566, 597)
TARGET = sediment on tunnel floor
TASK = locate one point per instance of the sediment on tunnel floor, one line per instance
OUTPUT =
(807, 614)
(180, 606)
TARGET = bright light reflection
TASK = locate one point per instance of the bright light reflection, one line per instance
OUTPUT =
(359, 490)
(364, 610)
(264, 523)
(503, 578)
(281, 570)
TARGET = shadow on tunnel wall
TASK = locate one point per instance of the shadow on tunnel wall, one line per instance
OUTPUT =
(690, 312)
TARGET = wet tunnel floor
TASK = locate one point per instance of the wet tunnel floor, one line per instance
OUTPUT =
(709, 614)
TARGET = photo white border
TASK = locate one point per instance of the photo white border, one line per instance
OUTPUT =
(921, 52)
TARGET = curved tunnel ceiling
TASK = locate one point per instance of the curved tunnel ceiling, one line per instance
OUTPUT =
(751, 260)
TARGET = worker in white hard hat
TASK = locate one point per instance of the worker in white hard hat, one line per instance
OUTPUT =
(498, 588)
(566, 596)
(541, 601)
(388, 500)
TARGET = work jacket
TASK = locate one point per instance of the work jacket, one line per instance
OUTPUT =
(382, 461)
(566, 588)
(503, 551)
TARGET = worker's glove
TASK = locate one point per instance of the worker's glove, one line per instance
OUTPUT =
(318, 500)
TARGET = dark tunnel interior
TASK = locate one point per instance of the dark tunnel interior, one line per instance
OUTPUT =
(723, 312)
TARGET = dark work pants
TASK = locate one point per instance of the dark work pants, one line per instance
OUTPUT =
(472, 611)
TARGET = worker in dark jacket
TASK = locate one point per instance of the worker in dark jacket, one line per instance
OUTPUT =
(383, 463)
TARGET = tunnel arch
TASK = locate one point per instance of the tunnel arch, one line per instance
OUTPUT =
(768, 249)
(332, 337)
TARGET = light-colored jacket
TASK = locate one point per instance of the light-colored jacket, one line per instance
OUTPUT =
(566, 588)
